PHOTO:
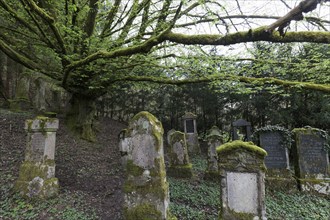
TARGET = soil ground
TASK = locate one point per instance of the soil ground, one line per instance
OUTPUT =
(93, 169)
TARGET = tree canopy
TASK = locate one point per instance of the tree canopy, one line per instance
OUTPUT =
(87, 45)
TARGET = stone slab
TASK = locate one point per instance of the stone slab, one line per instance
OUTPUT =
(242, 192)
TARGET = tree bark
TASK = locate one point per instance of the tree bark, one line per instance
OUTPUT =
(81, 116)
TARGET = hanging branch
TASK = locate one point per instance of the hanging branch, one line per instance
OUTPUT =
(295, 14)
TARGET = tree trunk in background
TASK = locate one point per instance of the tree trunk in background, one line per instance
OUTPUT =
(3, 76)
(81, 116)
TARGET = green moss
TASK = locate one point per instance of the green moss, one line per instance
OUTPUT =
(211, 175)
(281, 184)
(30, 170)
(133, 169)
(180, 171)
(157, 185)
(143, 212)
(157, 128)
(241, 145)
(177, 136)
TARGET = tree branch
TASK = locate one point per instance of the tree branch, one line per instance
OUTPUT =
(50, 21)
(250, 80)
(253, 35)
(91, 17)
(294, 14)
(10, 52)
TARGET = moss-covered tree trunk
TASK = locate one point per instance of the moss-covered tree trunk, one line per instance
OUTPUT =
(81, 116)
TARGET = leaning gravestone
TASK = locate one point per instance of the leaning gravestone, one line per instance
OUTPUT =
(214, 140)
(146, 189)
(312, 159)
(178, 156)
(37, 172)
(242, 171)
(276, 141)
(241, 130)
(190, 129)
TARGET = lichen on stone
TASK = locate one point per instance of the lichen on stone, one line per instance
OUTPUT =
(238, 144)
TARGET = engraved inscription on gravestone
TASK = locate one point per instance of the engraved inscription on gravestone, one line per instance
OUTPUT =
(313, 156)
(277, 157)
(190, 126)
(38, 145)
(242, 192)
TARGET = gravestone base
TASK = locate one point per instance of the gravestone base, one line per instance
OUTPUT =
(280, 179)
(318, 186)
(180, 171)
(212, 175)
(36, 180)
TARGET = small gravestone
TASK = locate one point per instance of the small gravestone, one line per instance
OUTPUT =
(312, 159)
(169, 133)
(178, 155)
(276, 141)
(146, 189)
(190, 129)
(241, 130)
(214, 140)
(123, 148)
(242, 171)
(37, 172)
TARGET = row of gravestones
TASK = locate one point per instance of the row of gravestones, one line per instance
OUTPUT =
(240, 165)
(310, 154)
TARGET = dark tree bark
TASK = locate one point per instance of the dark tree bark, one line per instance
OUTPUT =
(80, 118)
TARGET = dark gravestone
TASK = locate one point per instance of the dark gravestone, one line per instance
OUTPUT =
(244, 127)
(190, 126)
(277, 157)
(312, 160)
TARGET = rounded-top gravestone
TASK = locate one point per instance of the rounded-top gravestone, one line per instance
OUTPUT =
(146, 189)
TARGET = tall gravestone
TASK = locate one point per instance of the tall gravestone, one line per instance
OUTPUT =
(242, 171)
(276, 141)
(146, 189)
(37, 172)
(312, 160)
(190, 130)
(214, 140)
(241, 130)
(178, 155)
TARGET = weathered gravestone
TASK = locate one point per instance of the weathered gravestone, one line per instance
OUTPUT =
(146, 189)
(214, 140)
(241, 130)
(123, 148)
(276, 141)
(242, 171)
(169, 133)
(178, 156)
(312, 159)
(190, 129)
(37, 172)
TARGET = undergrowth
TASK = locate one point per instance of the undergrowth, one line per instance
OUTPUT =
(191, 199)
(199, 199)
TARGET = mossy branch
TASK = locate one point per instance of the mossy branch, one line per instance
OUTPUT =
(49, 21)
(253, 35)
(250, 80)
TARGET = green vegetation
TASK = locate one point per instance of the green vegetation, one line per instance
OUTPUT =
(199, 199)
(193, 199)
(66, 206)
